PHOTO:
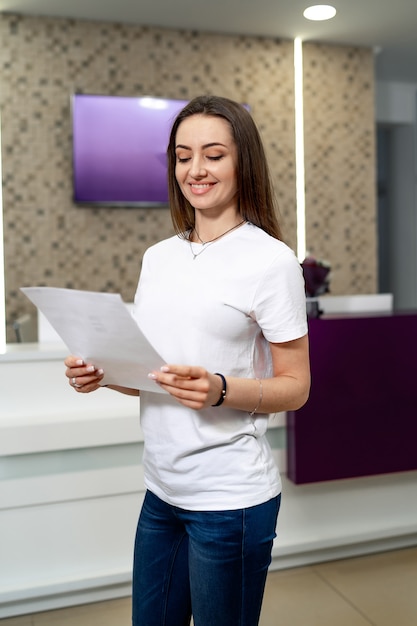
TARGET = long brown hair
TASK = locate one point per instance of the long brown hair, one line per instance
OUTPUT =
(255, 193)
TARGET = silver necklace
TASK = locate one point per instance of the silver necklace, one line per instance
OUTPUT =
(207, 244)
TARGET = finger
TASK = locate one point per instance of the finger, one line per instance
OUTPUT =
(70, 372)
(184, 371)
(81, 376)
(87, 388)
(184, 387)
(193, 399)
(176, 381)
(85, 380)
(74, 361)
(85, 383)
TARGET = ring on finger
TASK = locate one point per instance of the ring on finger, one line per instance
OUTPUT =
(74, 384)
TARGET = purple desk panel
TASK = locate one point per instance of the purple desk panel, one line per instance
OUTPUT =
(361, 417)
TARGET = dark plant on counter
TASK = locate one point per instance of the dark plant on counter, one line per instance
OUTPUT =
(316, 278)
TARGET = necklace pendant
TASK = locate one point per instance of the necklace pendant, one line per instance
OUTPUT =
(207, 244)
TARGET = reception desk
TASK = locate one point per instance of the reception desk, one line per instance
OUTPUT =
(361, 417)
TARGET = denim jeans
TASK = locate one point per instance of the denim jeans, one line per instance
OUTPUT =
(211, 564)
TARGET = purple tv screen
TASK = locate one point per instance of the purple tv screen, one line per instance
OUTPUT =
(119, 149)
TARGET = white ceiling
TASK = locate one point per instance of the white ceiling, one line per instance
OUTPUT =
(388, 26)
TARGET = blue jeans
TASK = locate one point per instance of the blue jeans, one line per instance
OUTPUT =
(211, 564)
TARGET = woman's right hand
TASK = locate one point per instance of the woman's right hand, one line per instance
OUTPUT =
(83, 377)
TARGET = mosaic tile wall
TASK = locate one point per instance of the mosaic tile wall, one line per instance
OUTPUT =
(340, 164)
(49, 240)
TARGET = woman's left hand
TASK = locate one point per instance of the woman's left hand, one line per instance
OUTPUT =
(192, 386)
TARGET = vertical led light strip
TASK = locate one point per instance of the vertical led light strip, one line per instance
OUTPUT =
(2, 298)
(299, 149)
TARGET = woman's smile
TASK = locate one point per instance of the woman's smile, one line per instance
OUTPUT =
(199, 188)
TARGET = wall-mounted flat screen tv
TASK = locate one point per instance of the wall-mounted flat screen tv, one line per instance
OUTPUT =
(119, 149)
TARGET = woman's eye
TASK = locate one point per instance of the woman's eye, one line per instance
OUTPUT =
(182, 159)
(215, 158)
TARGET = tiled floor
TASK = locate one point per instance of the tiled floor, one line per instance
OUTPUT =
(376, 590)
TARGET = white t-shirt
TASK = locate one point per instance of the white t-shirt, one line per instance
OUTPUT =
(218, 310)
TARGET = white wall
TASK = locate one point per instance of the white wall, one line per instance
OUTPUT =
(396, 103)
(396, 107)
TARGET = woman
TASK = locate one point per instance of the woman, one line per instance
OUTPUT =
(223, 303)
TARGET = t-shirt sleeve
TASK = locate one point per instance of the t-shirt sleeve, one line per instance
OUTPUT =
(279, 305)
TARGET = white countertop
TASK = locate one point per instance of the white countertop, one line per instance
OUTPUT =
(15, 352)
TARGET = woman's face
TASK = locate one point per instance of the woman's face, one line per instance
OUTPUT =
(206, 163)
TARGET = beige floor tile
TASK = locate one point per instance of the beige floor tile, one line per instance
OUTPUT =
(110, 613)
(383, 587)
(377, 590)
(300, 597)
(24, 620)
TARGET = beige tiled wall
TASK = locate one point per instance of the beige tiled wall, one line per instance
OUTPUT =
(340, 164)
(50, 241)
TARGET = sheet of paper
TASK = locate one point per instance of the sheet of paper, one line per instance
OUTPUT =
(99, 328)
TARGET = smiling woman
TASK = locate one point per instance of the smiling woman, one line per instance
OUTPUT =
(231, 328)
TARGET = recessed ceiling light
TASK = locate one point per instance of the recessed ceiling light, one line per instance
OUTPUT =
(320, 12)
